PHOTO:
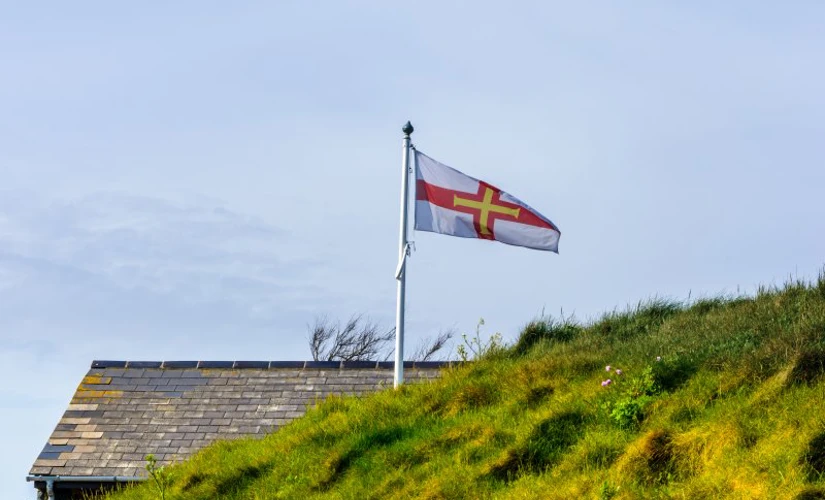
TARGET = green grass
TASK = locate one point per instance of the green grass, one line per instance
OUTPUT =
(734, 409)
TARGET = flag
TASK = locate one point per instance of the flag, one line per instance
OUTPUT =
(449, 202)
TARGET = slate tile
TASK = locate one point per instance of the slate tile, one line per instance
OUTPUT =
(81, 471)
(429, 365)
(286, 364)
(123, 384)
(157, 381)
(66, 434)
(108, 364)
(215, 364)
(251, 364)
(82, 407)
(186, 428)
(43, 462)
(144, 364)
(189, 381)
(180, 364)
(358, 364)
(105, 471)
(322, 364)
(53, 448)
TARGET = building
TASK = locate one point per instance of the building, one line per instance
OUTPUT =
(123, 411)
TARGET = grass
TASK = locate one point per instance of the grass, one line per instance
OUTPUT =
(732, 408)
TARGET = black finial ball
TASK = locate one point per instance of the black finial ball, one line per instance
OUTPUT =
(407, 128)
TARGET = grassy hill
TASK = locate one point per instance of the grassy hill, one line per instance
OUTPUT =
(722, 398)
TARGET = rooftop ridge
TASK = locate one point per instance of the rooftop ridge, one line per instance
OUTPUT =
(269, 365)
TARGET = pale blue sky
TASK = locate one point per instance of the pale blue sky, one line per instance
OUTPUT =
(198, 181)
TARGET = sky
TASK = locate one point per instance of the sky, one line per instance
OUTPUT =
(201, 180)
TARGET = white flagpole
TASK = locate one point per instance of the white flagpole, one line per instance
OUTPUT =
(401, 272)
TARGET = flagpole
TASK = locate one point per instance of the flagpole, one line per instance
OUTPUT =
(401, 273)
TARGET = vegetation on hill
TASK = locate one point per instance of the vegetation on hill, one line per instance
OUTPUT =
(720, 398)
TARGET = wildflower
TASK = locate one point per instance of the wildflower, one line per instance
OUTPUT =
(658, 359)
(618, 371)
(607, 382)
(607, 368)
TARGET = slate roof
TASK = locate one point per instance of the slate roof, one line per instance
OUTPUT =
(123, 411)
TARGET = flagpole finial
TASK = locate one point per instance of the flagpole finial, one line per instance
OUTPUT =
(407, 129)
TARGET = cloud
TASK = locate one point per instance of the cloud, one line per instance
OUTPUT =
(116, 262)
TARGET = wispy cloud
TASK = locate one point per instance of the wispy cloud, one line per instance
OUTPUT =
(114, 261)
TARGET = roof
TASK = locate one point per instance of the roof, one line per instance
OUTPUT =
(123, 411)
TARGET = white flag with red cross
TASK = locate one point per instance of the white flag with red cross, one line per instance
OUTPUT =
(449, 202)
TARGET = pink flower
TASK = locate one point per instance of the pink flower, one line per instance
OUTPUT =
(607, 368)
(607, 382)
(618, 371)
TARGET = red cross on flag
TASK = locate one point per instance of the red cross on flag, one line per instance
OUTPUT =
(449, 202)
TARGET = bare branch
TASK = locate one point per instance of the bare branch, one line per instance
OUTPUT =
(361, 339)
(357, 340)
(319, 336)
(428, 348)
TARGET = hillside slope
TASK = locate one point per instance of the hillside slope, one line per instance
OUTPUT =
(720, 399)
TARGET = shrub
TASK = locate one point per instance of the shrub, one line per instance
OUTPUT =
(628, 412)
(628, 409)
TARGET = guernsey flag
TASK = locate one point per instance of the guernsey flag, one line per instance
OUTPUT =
(449, 202)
